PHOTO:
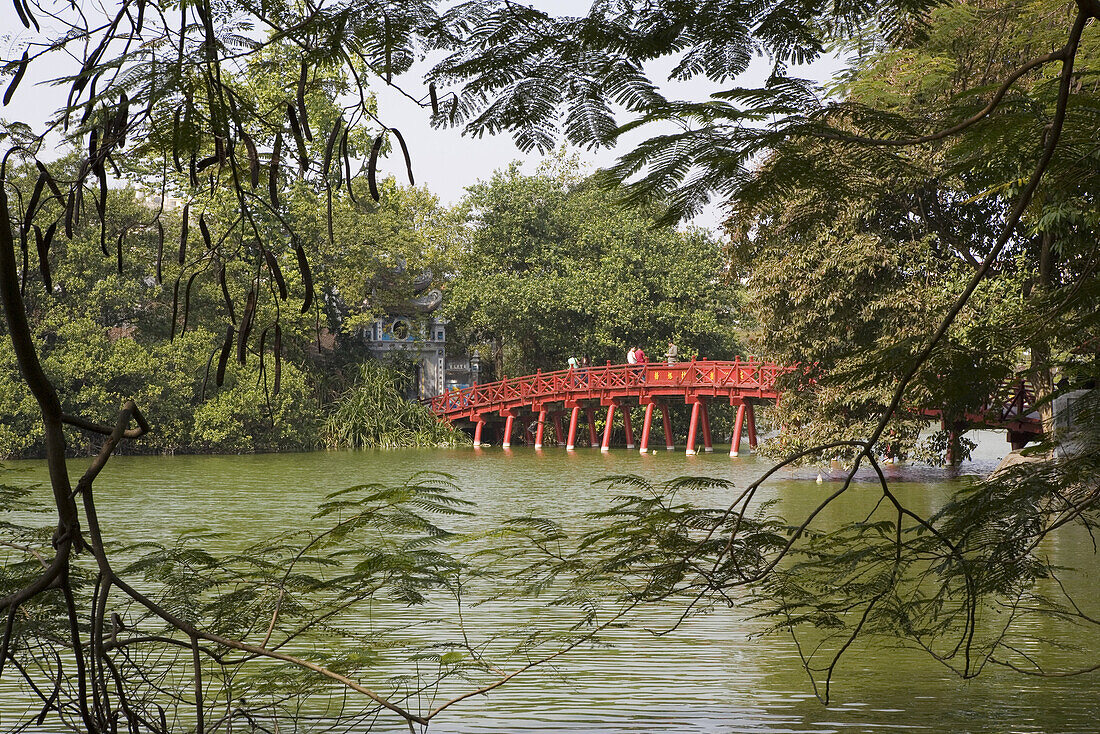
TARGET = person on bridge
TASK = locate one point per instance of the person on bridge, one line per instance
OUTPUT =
(631, 356)
(672, 353)
(639, 355)
(572, 362)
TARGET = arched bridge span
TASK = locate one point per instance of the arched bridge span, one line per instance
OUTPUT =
(551, 396)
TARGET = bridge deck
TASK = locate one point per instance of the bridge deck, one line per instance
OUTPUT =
(736, 380)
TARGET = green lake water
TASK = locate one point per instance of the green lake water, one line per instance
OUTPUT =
(710, 676)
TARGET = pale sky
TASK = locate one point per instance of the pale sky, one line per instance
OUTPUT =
(444, 160)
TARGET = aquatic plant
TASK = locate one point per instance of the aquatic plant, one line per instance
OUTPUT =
(374, 413)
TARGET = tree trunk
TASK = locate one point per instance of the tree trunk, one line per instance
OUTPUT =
(1042, 376)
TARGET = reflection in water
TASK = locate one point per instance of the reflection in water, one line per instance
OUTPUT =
(711, 676)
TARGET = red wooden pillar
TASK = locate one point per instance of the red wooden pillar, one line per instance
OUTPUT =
(559, 434)
(708, 446)
(478, 426)
(627, 428)
(735, 444)
(593, 440)
(669, 443)
(606, 445)
(571, 444)
(646, 423)
(509, 425)
(750, 425)
(693, 427)
(541, 428)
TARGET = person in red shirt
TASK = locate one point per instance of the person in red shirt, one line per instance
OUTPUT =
(639, 355)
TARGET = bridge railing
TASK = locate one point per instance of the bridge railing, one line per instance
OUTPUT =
(751, 374)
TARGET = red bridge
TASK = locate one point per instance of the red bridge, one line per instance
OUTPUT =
(551, 396)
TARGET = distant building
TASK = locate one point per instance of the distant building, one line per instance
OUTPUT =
(422, 340)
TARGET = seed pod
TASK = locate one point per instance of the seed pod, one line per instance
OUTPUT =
(205, 163)
(372, 167)
(43, 245)
(187, 302)
(273, 173)
(342, 161)
(225, 295)
(141, 17)
(30, 15)
(22, 16)
(22, 69)
(118, 250)
(246, 326)
(176, 137)
(205, 232)
(50, 181)
(296, 130)
(175, 306)
(89, 106)
(405, 151)
(183, 233)
(223, 359)
(253, 159)
(78, 207)
(160, 253)
(303, 77)
(326, 164)
(307, 276)
(434, 98)
(32, 205)
(454, 109)
(276, 273)
(278, 349)
(120, 120)
(261, 351)
(192, 171)
(70, 213)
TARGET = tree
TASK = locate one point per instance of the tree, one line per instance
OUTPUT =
(919, 219)
(159, 76)
(554, 269)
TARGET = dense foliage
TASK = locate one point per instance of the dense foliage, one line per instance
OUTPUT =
(554, 268)
(864, 249)
(124, 341)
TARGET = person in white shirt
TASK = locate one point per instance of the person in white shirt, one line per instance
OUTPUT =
(631, 357)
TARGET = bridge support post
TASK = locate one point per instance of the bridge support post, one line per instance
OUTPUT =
(571, 444)
(646, 423)
(708, 446)
(608, 427)
(627, 428)
(559, 434)
(693, 427)
(669, 443)
(735, 443)
(478, 426)
(593, 440)
(750, 425)
(541, 428)
(509, 425)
